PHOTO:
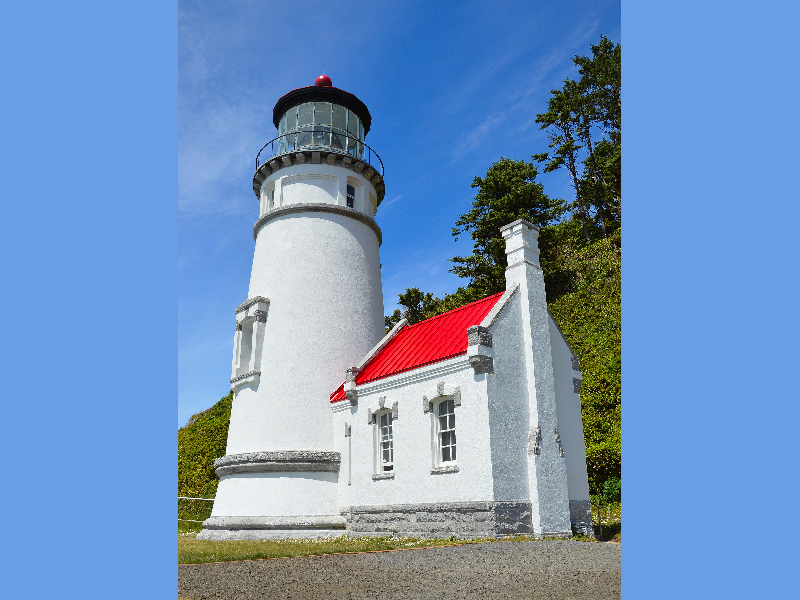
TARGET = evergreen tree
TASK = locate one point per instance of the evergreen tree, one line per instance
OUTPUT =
(584, 123)
(508, 192)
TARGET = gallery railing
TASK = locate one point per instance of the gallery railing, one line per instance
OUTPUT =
(315, 138)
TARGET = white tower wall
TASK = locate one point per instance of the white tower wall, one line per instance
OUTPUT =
(321, 273)
(316, 281)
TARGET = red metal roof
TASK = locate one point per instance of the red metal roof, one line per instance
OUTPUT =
(424, 343)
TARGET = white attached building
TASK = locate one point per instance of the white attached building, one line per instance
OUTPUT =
(467, 424)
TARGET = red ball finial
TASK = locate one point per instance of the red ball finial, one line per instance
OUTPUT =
(324, 81)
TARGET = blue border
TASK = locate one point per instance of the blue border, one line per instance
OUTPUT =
(709, 306)
(90, 239)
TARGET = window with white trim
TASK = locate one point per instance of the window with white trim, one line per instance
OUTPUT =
(385, 443)
(351, 195)
(446, 432)
(245, 350)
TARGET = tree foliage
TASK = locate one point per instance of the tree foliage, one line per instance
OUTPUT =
(583, 121)
(507, 192)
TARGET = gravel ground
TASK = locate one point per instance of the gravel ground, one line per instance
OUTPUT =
(553, 569)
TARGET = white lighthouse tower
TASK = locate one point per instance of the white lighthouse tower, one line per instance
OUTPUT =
(314, 308)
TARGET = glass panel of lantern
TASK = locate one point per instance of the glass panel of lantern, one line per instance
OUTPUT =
(291, 119)
(322, 113)
(352, 130)
(338, 142)
(305, 114)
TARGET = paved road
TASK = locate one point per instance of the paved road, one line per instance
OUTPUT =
(553, 569)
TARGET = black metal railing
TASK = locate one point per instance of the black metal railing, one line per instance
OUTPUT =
(309, 139)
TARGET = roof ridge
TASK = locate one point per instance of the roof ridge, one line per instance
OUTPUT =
(452, 310)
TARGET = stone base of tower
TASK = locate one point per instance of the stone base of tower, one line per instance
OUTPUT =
(274, 495)
(273, 528)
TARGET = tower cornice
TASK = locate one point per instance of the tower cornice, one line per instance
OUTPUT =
(362, 167)
(318, 207)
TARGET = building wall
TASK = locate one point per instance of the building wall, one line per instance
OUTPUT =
(508, 407)
(570, 428)
(414, 441)
(568, 412)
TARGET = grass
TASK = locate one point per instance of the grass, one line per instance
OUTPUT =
(194, 551)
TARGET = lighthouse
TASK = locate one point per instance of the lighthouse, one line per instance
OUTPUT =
(314, 307)
(465, 424)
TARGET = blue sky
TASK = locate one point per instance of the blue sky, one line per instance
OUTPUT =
(451, 88)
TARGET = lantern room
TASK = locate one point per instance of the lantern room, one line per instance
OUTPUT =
(321, 117)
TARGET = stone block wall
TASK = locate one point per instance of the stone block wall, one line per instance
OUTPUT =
(441, 520)
(580, 516)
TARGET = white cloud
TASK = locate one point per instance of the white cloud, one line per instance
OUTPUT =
(387, 203)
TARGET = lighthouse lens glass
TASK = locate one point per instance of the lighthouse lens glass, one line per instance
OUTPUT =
(305, 114)
(340, 118)
(322, 113)
(336, 142)
(353, 125)
(291, 120)
(321, 125)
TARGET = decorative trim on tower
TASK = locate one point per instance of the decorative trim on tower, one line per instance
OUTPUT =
(560, 447)
(284, 461)
(317, 207)
(332, 158)
(350, 391)
(251, 319)
(249, 302)
(249, 377)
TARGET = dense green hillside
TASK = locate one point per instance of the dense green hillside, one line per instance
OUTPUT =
(584, 293)
(201, 441)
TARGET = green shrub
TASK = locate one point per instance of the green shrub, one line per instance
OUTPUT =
(199, 444)
(612, 489)
(588, 312)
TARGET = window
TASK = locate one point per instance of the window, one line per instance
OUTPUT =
(386, 446)
(351, 195)
(251, 318)
(268, 197)
(245, 347)
(446, 431)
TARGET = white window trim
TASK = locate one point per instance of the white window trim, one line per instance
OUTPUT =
(439, 461)
(381, 467)
(267, 197)
(251, 319)
(442, 393)
(374, 418)
(357, 193)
